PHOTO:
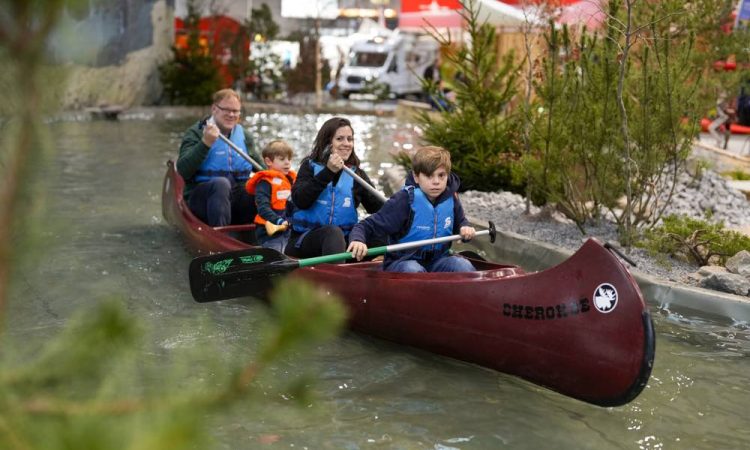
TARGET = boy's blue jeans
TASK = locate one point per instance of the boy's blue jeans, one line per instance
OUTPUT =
(277, 242)
(441, 264)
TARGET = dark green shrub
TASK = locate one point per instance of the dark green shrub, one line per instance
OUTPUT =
(263, 74)
(302, 77)
(739, 175)
(478, 129)
(191, 77)
(381, 91)
(697, 240)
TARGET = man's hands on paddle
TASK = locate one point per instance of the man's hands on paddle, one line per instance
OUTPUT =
(357, 249)
(467, 233)
(210, 133)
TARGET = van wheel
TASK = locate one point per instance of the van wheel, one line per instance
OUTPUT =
(346, 95)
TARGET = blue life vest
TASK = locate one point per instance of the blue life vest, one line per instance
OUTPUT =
(334, 206)
(430, 221)
(223, 161)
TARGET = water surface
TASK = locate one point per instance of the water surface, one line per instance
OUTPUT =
(105, 235)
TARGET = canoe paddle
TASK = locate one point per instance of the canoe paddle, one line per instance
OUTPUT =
(370, 188)
(382, 197)
(236, 274)
(234, 147)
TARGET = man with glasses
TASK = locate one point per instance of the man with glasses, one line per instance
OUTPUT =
(215, 175)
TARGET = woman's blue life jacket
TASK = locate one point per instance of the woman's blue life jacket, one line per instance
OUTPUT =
(429, 222)
(223, 161)
(334, 206)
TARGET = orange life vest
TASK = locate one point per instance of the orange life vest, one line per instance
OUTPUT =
(281, 189)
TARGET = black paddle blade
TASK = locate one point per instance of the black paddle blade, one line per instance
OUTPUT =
(236, 274)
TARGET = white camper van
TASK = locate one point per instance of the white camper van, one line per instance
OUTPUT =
(397, 60)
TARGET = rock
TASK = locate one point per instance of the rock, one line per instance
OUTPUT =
(710, 270)
(740, 264)
(727, 282)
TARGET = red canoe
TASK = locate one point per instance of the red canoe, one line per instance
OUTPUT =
(581, 328)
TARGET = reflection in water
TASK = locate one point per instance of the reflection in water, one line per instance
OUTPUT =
(104, 234)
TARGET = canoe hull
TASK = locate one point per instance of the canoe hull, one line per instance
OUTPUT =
(544, 326)
(198, 236)
(552, 327)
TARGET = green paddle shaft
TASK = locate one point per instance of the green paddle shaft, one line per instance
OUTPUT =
(375, 251)
(234, 274)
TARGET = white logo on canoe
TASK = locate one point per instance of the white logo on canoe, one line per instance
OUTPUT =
(605, 298)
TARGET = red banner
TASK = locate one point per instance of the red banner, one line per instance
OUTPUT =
(547, 2)
(428, 5)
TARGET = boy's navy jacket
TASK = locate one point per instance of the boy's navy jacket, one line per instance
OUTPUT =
(395, 217)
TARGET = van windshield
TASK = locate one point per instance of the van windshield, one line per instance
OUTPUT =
(368, 59)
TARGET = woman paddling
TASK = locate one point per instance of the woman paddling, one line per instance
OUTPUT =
(324, 200)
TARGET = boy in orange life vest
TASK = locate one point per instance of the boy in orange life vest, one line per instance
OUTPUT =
(271, 188)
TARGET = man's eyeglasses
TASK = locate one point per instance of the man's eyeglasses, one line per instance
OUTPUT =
(230, 110)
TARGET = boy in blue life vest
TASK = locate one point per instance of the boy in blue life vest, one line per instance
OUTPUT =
(271, 188)
(428, 207)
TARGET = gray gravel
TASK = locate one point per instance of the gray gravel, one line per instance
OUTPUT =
(506, 210)
(692, 197)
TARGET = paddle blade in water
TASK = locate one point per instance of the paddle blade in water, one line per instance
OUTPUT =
(241, 273)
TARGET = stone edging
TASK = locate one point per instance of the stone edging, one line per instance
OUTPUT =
(532, 255)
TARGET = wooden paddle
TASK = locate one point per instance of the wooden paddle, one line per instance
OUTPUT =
(234, 274)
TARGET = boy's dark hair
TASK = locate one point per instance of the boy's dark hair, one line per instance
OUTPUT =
(429, 159)
(325, 137)
(277, 148)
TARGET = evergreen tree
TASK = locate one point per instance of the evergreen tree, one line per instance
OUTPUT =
(619, 110)
(302, 77)
(478, 128)
(191, 77)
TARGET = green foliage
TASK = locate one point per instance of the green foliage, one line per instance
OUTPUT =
(739, 175)
(91, 389)
(84, 351)
(479, 131)
(261, 23)
(264, 70)
(191, 77)
(381, 91)
(697, 240)
(305, 314)
(705, 19)
(25, 28)
(302, 77)
(610, 135)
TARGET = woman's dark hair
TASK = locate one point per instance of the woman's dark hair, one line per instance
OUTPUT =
(325, 137)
